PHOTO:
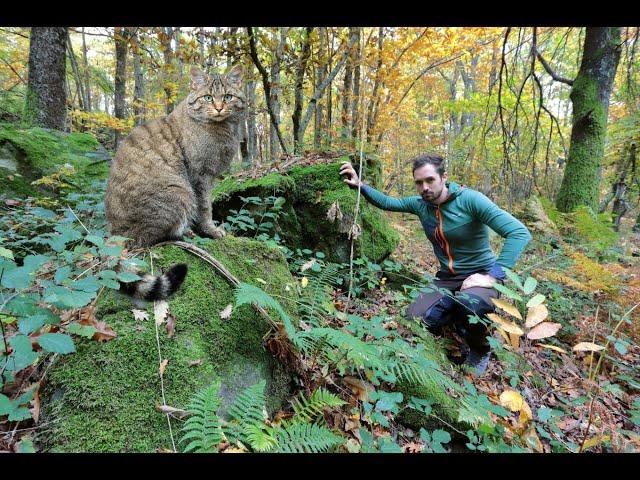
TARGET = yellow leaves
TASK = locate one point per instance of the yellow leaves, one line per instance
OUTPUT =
(160, 311)
(304, 282)
(543, 330)
(551, 347)
(512, 400)
(506, 325)
(587, 347)
(594, 441)
(536, 315)
(507, 307)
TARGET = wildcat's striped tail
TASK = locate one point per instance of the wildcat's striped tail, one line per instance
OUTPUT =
(156, 287)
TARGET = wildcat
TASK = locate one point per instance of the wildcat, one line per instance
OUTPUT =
(161, 176)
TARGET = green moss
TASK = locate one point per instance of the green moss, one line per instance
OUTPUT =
(42, 152)
(102, 398)
(310, 191)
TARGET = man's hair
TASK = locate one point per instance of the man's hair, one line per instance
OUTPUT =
(435, 160)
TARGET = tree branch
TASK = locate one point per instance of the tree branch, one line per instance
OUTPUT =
(546, 66)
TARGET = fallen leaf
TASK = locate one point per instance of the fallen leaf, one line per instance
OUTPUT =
(140, 314)
(196, 363)
(358, 387)
(163, 366)
(544, 330)
(536, 315)
(390, 325)
(235, 450)
(307, 265)
(515, 340)
(174, 412)
(525, 413)
(512, 400)
(160, 311)
(507, 307)
(164, 450)
(304, 282)
(506, 325)
(226, 313)
(35, 405)
(587, 347)
(353, 446)
(171, 325)
(413, 447)
(593, 441)
(12, 203)
(532, 440)
(551, 347)
(104, 332)
(259, 280)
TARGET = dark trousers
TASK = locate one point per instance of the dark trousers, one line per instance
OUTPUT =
(447, 305)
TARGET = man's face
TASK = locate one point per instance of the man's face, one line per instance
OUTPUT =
(429, 183)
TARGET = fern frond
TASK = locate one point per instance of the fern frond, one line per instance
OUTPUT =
(248, 294)
(317, 293)
(261, 437)
(203, 426)
(357, 351)
(248, 406)
(306, 438)
(309, 410)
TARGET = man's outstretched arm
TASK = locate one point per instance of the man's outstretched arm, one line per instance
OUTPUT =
(375, 197)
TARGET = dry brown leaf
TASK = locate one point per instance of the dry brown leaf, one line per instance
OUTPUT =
(226, 313)
(515, 340)
(587, 347)
(532, 440)
(104, 332)
(160, 311)
(163, 366)
(506, 325)
(174, 412)
(171, 325)
(140, 314)
(536, 315)
(358, 387)
(413, 447)
(35, 405)
(164, 450)
(543, 330)
(507, 307)
(196, 363)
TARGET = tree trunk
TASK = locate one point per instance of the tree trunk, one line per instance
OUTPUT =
(299, 87)
(330, 89)
(276, 91)
(166, 36)
(121, 36)
(321, 74)
(252, 132)
(77, 78)
(590, 98)
(346, 94)
(85, 68)
(375, 94)
(46, 101)
(139, 107)
(355, 101)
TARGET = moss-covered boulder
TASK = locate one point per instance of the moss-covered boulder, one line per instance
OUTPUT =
(30, 153)
(310, 192)
(103, 397)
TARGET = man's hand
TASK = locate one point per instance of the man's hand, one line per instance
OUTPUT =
(352, 177)
(478, 280)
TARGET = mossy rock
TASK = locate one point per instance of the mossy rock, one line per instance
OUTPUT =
(310, 192)
(29, 153)
(103, 397)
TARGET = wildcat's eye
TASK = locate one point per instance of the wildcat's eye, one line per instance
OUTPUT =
(207, 98)
(228, 97)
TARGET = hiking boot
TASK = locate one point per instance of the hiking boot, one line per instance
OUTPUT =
(478, 361)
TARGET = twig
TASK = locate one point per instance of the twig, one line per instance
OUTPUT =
(80, 221)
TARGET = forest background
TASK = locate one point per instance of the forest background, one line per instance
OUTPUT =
(547, 115)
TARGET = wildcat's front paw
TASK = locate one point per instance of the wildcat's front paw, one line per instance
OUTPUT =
(210, 230)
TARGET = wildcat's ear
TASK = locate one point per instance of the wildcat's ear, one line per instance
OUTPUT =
(198, 78)
(236, 74)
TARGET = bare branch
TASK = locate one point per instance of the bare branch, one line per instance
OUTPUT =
(546, 66)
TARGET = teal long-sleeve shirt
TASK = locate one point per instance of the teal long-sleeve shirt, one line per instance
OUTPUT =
(458, 229)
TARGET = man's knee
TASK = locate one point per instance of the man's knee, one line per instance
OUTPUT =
(438, 315)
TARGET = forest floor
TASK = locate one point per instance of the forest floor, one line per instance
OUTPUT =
(590, 412)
